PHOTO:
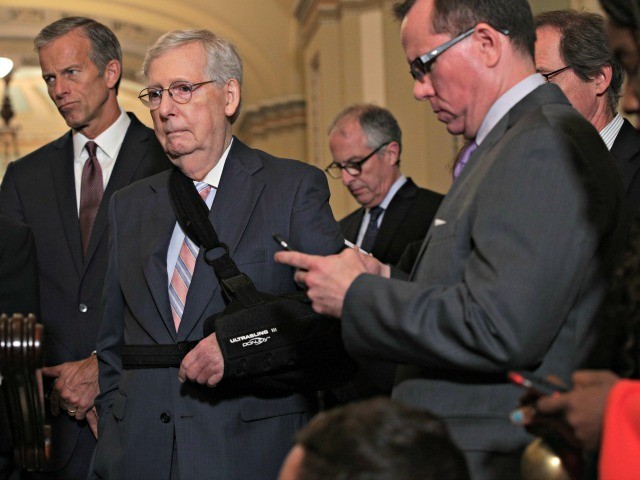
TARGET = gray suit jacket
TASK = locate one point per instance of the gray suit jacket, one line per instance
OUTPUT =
(39, 190)
(510, 276)
(219, 433)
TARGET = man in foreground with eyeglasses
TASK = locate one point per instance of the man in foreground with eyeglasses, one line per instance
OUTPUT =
(62, 191)
(161, 422)
(572, 51)
(366, 143)
(513, 270)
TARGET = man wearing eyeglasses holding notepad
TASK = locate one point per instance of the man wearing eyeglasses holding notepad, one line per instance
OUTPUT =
(366, 145)
(513, 269)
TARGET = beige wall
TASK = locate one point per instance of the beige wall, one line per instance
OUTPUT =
(305, 60)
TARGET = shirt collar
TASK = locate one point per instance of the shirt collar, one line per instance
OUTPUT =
(213, 177)
(109, 141)
(610, 132)
(392, 192)
(506, 102)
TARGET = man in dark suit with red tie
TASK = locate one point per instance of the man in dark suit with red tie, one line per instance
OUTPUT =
(62, 191)
(366, 143)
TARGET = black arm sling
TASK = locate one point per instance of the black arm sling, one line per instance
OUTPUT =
(276, 341)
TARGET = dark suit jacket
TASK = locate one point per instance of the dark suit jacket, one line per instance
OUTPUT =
(18, 269)
(626, 153)
(219, 433)
(39, 190)
(406, 220)
(511, 276)
(18, 289)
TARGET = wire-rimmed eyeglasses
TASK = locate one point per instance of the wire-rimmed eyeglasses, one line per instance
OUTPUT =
(179, 91)
(548, 76)
(353, 168)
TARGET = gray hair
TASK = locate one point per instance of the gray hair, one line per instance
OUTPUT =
(377, 123)
(104, 44)
(584, 46)
(223, 60)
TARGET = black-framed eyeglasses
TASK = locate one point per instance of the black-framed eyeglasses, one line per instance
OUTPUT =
(353, 168)
(422, 65)
(179, 91)
(548, 76)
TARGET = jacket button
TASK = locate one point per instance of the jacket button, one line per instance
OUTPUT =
(83, 308)
(165, 417)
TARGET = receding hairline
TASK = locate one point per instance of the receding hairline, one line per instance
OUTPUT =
(164, 52)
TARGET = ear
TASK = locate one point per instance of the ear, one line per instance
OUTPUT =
(602, 79)
(112, 73)
(393, 153)
(490, 43)
(232, 97)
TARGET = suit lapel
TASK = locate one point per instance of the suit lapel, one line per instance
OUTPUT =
(393, 218)
(65, 191)
(547, 93)
(352, 225)
(625, 151)
(157, 223)
(133, 149)
(230, 213)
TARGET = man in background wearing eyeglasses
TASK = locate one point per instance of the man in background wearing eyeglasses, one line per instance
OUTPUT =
(161, 422)
(572, 51)
(366, 143)
(62, 192)
(513, 270)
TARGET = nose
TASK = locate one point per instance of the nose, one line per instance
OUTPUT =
(423, 88)
(346, 177)
(60, 88)
(167, 105)
(630, 99)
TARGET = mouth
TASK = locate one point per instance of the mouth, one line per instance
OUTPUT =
(66, 106)
(443, 116)
(171, 133)
(355, 191)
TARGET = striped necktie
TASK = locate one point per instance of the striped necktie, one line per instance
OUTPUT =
(185, 265)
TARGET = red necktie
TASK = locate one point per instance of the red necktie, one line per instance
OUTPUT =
(91, 190)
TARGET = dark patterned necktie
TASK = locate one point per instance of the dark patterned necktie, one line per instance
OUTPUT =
(91, 190)
(372, 229)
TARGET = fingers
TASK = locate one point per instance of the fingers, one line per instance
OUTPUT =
(52, 371)
(92, 420)
(300, 278)
(585, 378)
(204, 364)
(550, 404)
(522, 416)
(294, 259)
